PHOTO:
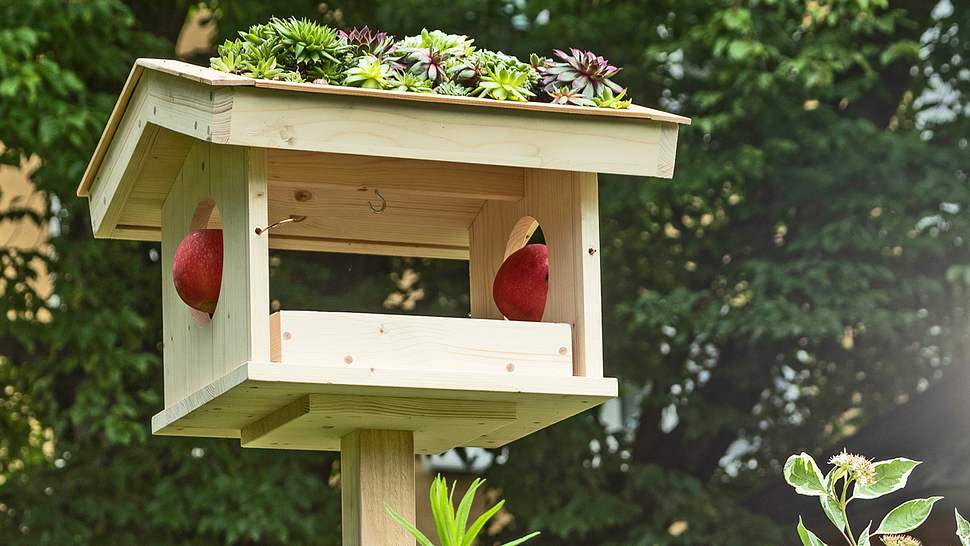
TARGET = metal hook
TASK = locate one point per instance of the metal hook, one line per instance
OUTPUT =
(380, 209)
(294, 218)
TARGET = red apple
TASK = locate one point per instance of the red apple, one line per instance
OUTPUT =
(522, 282)
(197, 269)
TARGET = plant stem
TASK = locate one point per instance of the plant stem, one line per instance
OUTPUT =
(842, 504)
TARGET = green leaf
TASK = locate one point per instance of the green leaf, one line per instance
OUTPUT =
(803, 474)
(864, 536)
(480, 522)
(521, 540)
(891, 476)
(464, 508)
(808, 537)
(963, 529)
(907, 516)
(834, 512)
(418, 535)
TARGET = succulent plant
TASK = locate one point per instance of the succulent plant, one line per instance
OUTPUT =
(468, 71)
(369, 42)
(260, 34)
(370, 72)
(583, 71)
(309, 43)
(409, 82)
(608, 100)
(291, 76)
(453, 88)
(260, 63)
(427, 63)
(504, 84)
(450, 45)
(231, 57)
(568, 95)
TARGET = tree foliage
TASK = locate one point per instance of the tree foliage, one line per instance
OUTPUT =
(805, 270)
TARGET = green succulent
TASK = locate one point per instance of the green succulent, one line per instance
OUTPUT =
(291, 76)
(504, 84)
(607, 100)
(468, 71)
(568, 95)
(259, 34)
(409, 82)
(451, 45)
(370, 73)
(309, 43)
(261, 63)
(453, 88)
(231, 57)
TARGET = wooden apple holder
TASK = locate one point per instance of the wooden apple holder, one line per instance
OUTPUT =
(372, 172)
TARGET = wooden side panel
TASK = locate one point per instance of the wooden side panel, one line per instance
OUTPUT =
(446, 132)
(198, 350)
(367, 341)
(376, 467)
(566, 206)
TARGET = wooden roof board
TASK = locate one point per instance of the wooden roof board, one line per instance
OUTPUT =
(214, 78)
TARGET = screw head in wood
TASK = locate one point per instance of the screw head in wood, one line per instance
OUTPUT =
(349, 359)
(302, 196)
(563, 350)
(510, 367)
(287, 336)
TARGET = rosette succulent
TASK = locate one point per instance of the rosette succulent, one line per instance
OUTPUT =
(427, 63)
(261, 63)
(308, 42)
(369, 42)
(568, 95)
(231, 57)
(451, 45)
(453, 88)
(369, 73)
(504, 84)
(608, 100)
(409, 82)
(583, 71)
(469, 71)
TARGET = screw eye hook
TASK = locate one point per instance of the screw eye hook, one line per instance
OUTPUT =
(294, 218)
(378, 209)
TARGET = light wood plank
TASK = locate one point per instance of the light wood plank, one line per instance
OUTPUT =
(311, 172)
(444, 132)
(376, 467)
(318, 421)
(254, 390)
(364, 340)
(566, 207)
(198, 352)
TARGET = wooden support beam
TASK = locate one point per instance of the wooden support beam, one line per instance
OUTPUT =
(376, 467)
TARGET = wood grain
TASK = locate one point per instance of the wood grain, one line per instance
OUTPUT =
(566, 208)
(365, 340)
(318, 421)
(376, 468)
(256, 389)
(196, 352)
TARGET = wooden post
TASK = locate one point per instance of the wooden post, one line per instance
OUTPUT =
(376, 467)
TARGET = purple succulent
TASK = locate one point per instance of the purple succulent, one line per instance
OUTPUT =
(583, 71)
(369, 42)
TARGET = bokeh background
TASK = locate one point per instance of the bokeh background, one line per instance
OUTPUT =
(801, 284)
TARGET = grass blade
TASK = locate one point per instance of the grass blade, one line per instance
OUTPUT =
(464, 508)
(521, 540)
(480, 522)
(407, 525)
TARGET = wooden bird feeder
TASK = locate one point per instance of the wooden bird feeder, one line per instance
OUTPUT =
(452, 177)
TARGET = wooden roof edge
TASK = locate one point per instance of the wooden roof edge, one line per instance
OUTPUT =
(208, 76)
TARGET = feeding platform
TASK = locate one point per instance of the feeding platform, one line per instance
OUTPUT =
(371, 172)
